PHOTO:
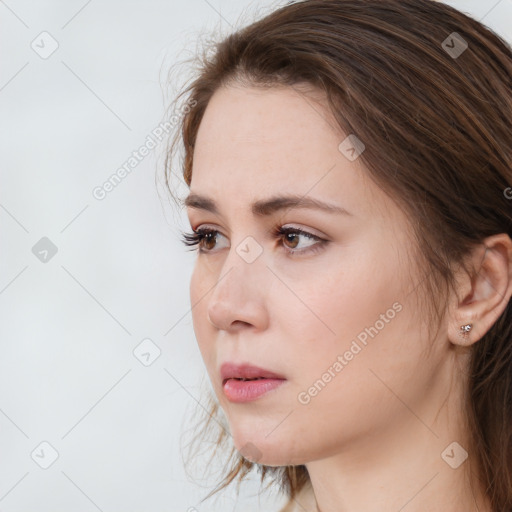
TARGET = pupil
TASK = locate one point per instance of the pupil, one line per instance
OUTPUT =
(291, 236)
(209, 240)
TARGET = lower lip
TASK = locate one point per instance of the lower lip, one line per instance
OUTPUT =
(245, 391)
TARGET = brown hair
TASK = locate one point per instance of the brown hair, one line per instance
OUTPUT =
(437, 131)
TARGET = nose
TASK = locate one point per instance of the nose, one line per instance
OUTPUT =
(237, 300)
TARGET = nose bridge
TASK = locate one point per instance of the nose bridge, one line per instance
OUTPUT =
(237, 295)
(240, 273)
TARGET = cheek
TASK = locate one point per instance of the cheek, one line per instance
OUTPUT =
(359, 315)
(375, 348)
(341, 298)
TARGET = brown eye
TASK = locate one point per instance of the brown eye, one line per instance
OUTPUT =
(209, 241)
(293, 235)
(206, 240)
(290, 237)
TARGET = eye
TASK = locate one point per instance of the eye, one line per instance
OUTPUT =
(201, 237)
(288, 235)
(205, 238)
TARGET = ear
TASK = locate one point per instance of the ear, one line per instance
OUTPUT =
(483, 295)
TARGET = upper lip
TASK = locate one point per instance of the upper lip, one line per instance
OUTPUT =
(245, 371)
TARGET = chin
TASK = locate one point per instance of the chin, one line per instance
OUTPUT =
(269, 451)
(267, 456)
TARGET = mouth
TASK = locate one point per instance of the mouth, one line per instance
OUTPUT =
(241, 379)
(244, 383)
(246, 372)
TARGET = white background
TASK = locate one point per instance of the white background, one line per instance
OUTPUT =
(68, 329)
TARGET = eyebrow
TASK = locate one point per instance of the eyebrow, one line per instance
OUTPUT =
(266, 207)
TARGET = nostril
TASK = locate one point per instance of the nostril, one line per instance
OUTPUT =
(240, 323)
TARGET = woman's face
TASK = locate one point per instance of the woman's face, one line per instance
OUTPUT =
(338, 319)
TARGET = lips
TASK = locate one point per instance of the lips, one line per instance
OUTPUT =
(246, 372)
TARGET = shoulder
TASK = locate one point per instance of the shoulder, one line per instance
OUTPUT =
(303, 502)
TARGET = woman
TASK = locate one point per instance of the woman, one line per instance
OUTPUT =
(350, 171)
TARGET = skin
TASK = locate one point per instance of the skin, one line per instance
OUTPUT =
(372, 438)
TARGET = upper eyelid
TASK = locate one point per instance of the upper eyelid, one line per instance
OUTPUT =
(273, 233)
(268, 231)
(284, 227)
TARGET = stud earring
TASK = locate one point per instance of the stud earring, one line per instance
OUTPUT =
(465, 330)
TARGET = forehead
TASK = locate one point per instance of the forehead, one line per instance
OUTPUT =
(254, 143)
(250, 123)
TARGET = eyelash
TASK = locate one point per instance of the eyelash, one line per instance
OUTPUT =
(197, 236)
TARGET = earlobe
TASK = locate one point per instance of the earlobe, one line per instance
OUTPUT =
(484, 294)
(465, 330)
